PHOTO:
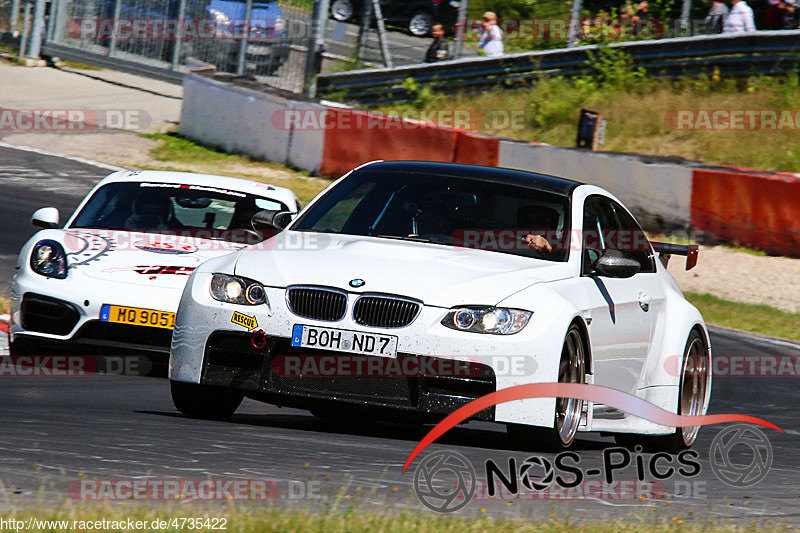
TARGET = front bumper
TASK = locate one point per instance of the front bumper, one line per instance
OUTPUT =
(61, 316)
(208, 348)
(231, 361)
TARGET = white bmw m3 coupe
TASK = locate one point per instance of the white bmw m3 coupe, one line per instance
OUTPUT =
(408, 289)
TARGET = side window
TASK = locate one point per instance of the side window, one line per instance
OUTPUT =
(607, 225)
(633, 241)
(598, 224)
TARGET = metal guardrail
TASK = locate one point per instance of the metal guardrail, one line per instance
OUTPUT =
(158, 72)
(767, 52)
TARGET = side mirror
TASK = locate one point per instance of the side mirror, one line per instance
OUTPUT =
(614, 264)
(271, 220)
(46, 218)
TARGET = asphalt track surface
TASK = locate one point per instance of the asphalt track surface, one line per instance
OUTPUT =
(56, 430)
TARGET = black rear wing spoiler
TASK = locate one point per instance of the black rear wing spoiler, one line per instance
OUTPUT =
(665, 250)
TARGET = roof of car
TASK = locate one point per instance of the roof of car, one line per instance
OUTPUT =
(282, 194)
(522, 178)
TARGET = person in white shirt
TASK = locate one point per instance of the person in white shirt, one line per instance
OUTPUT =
(740, 18)
(491, 36)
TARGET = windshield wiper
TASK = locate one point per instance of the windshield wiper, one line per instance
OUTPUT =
(413, 238)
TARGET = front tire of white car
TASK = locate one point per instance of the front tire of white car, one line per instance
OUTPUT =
(203, 401)
(693, 388)
(567, 419)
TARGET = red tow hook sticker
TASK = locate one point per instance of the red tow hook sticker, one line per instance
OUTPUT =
(258, 340)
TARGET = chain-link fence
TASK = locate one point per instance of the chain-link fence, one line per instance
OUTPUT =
(267, 39)
(10, 17)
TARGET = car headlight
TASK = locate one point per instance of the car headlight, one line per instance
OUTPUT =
(494, 320)
(235, 290)
(49, 259)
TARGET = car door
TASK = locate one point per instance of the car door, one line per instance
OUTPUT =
(621, 310)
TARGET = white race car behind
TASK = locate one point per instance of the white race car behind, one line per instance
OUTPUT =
(110, 280)
(407, 267)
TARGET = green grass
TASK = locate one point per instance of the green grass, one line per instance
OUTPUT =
(636, 110)
(757, 253)
(77, 65)
(760, 319)
(5, 303)
(274, 520)
(181, 154)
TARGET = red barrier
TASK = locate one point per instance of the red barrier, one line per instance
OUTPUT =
(757, 210)
(475, 149)
(355, 137)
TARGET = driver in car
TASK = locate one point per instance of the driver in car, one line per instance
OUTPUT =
(538, 220)
(151, 210)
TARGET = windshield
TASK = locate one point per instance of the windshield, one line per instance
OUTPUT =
(157, 207)
(444, 210)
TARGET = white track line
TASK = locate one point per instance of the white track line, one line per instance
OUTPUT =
(54, 154)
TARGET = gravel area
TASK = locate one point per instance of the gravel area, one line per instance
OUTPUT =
(742, 277)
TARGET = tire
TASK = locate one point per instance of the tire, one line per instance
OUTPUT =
(693, 388)
(203, 401)
(342, 10)
(567, 416)
(421, 23)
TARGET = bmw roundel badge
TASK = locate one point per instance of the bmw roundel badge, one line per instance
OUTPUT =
(356, 283)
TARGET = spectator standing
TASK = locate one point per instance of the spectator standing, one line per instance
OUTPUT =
(772, 15)
(439, 49)
(642, 11)
(715, 20)
(739, 19)
(788, 14)
(491, 36)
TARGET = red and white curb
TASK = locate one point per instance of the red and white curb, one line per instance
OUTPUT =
(4, 321)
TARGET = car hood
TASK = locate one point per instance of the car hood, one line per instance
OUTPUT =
(147, 259)
(438, 275)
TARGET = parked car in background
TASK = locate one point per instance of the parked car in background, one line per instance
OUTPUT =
(418, 16)
(212, 31)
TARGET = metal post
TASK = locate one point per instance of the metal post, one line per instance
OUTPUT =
(51, 20)
(243, 42)
(37, 29)
(61, 15)
(363, 31)
(316, 46)
(461, 29)
(112, 46)
(26, 21)
(387, 56)
(685, 11)
(176, 51)
(14, 17)
(573, 37)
